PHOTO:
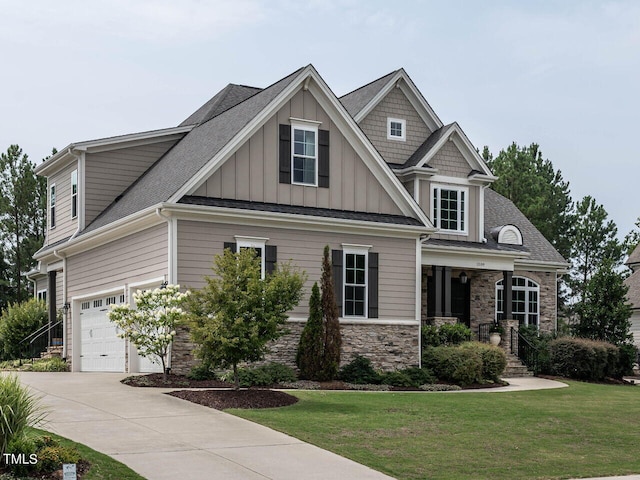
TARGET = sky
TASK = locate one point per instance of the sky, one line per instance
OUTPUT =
(564, 74)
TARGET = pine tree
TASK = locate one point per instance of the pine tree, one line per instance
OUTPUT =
(311, 346)
(333, 337)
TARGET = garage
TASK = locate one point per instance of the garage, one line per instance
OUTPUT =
(101, 349)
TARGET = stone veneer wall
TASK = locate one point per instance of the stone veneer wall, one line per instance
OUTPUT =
(389, 347)
(483, 297)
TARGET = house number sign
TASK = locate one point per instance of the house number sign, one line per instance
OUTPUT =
(69, 471)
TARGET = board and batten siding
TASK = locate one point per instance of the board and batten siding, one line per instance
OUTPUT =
(135, 258)
(395, 105)
(65, 225)
(472, 204)
(198, 242)
(252, 172)
(109, 174)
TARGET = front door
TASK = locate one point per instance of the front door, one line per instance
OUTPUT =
(461, 301)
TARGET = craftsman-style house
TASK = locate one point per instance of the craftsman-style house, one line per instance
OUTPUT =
(403, 200)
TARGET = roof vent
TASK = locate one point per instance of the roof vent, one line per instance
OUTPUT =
(507, 234)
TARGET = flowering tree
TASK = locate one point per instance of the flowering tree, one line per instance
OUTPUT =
(151, 325)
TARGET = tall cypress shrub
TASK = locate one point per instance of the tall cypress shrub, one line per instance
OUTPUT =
(311, 346)
(333, 337)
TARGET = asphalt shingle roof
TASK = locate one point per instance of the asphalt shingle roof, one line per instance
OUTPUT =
(499, 211)
(634, 258)
(188, 157)
(428, 144)
(355, 101)
(228, 97)
(300, 210)
(633, 282)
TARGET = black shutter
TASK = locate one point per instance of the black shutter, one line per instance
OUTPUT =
(285, 153)
(231, 246)
(323, 158)
(270, 258)
(338, 285)
(373, 285)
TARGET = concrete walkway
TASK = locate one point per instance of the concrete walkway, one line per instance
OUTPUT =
(162, 437)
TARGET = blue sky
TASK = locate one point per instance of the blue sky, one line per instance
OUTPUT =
(564, 74)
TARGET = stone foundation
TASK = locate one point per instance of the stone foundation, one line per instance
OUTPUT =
(389, 347)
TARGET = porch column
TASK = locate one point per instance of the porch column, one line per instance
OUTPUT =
(437, 282)
(51, 296)
(447, 291)
(507, 297)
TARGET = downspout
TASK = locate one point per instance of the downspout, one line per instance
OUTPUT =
(419, 241)
(63, 257)
(35, 282)
(170, 272)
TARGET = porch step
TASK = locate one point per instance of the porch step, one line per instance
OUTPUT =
(515, 367)
(52, 352)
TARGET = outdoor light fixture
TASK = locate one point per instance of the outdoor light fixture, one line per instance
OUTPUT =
(66, 307)
(164, 284)
(463, 278)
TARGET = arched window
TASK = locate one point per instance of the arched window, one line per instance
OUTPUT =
(525, 304)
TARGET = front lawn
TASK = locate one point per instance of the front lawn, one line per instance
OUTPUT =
(582, 431)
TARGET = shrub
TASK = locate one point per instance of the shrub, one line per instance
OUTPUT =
(454, 364)
(17, 322)
(18, 410)
(311, 345)
(439, 387)
(359, 371)
(264, 375)
(279, 372)
(201, 372)
(22, 446)
(628, 356)
(494, 360)
(419, 376)
(52, 457)
(397, 379)
(447, 334)
(584, 359)
(540, 341)
(54, 364)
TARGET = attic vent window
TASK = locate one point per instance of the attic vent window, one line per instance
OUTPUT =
(509, 235)
(396, 129)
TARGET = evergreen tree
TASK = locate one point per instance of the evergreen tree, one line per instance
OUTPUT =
(632, 239)
(22, 223)
(537, 189)
(311, 346)
(603, 312)
(333, 337)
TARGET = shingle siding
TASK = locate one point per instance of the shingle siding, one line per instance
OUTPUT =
(450, 162)
(395, 105)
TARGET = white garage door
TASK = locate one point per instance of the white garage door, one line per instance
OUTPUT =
(101, 350)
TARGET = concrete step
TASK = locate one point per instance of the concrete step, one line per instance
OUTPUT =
(515, 368)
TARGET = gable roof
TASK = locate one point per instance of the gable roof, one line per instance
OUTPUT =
(188, 156)
(364, 99)
(228, 97)
(428, 147)
(499, 210)
(633, 282)
(634, 258)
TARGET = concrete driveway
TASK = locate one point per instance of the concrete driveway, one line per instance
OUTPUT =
(162, 437)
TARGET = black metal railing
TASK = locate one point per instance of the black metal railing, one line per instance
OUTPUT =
(483, 332)
(524, 350)
(36, 343)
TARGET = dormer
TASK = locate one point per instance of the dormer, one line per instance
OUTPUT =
(507, 235)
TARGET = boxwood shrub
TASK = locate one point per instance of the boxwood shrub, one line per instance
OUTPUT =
(465, 364)
(359, 371)
(585, 359)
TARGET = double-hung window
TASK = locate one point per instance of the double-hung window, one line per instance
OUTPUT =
(304, 154)
(524, 300)
(449, 208)
(52, 206)
(74, 194)
(255, 244)
(355, 282)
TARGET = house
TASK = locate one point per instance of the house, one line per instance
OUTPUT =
(402, 199)
(633, 282)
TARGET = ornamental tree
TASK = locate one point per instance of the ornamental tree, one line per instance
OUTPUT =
(151, 324)
(332, 334)
(311, 347)
(235, 316)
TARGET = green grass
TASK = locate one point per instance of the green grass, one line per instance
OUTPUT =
(103, 467)
(581, 431)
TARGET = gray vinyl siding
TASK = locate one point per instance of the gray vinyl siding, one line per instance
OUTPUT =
(395, 105)
(65, 225)
(472, 205)
(108, 174)
(252, 172)
(450, 162)
(59, 289)
(198, 242)
(635, 327)
(135, 258)
(41, 284)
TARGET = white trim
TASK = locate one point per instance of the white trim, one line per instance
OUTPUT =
(311, 123)
(305, 127)
(255, 243)
(39, 292)
(361, 321)
(74, 196)
(356, 247)
(55, 266)
(435, 207)
(403, 129)
(510, 228)
(360, 251)
(481, 237)
(419, 296)
(52, 205)
(82, 191)
(517, 288)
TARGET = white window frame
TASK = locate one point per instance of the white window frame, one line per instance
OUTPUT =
(74, 194)
(257, 244)
(355, 251)
(52, 206)
(436, 215)
(309, 127)
(527, 289)
(403, 125)
(42, 295)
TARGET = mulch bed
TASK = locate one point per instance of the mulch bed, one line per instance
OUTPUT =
(173, 381)
(223, 399)
(82, 467)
